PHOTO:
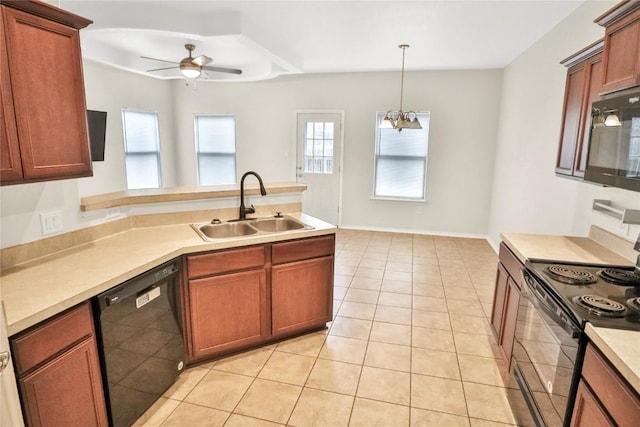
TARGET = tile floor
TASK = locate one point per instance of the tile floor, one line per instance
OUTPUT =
(410, 346)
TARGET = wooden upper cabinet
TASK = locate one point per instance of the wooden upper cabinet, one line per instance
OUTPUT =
(621, 68)
(43, 95)
(582, 88)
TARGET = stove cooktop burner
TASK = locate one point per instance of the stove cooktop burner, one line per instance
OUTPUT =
(620, 277)
(600, 306)
(571, 276)
(633, 304)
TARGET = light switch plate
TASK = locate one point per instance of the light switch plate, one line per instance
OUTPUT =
(51, 222)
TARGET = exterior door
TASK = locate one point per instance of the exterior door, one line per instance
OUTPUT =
(319, 150)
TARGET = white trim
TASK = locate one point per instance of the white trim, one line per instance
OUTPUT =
(421, 232)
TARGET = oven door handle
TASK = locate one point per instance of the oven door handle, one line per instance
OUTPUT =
(539, 299)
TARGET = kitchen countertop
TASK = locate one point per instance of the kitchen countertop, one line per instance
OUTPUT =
(38, 289)
(621, 347)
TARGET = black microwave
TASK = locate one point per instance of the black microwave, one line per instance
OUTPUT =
(614, 143)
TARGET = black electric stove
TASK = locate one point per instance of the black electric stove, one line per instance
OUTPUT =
(602, 295)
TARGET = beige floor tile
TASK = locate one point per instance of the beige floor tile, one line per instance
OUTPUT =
(427, 290)
(399, 266)
(438, 394)
(344, 349)
(269, 400)
(398, 315)
(468, 308)
(425, 259)
(384, 385)
(345, 270)
(476, 345)
(397, 286)
(219, 390)
(461, 293)
(470, 324)
(390, 333)
(306, 345)
(431, 319)
(370, 413)
(183, 385)
(357, 310)
(342, 280)
(488, 403)
(339, 292)
(236, 420)
(433, 339)
(350, 328)
(249, 363)
(388, 356)
(362, 295)
(321, 408)
(338, 377)
(373, 263)
(287, 368)
(404, 276)
(424, 418)
(483, 370)
(157, 413)
(395, 299)
(429, 304)
(430, 266)
(376, 255)
(435, 363)
(400, 258)
(427, 278)
(366, 283)
(370, 273)
(475, 422)
(187, 414)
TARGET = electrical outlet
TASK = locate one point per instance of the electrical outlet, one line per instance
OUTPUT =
(50, 222)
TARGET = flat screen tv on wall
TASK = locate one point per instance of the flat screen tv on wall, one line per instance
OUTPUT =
(97, 131)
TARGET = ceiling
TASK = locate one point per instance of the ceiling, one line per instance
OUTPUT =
(269, 38)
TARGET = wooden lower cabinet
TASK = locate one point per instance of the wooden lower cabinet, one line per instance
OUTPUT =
(58, 371)
(506, 300)
(301, 295)
(587, 410)
(227, 312)
(67, 391)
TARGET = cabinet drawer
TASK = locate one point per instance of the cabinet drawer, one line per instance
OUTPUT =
(616, 396)
(51, 337)
(511, 264)
(302, 249)
(225, 261)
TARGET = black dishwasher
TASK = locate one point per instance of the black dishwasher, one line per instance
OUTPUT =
(139, 328)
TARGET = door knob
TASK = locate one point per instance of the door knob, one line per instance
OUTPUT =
(5, 356)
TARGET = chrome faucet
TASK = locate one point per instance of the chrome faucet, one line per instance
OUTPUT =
(244, 211)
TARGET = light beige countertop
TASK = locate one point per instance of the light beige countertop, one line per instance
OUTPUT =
(621, 347)
(36, 290)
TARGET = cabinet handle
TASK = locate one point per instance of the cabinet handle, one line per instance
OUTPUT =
(5, 356)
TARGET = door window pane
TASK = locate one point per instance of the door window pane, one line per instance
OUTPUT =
(318, 147)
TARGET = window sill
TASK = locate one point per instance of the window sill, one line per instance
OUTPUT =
(398, 199)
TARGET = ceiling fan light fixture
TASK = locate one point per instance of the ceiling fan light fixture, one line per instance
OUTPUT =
(399, 119)
(189, 70)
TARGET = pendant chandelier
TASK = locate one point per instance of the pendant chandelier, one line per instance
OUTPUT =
(401, 119)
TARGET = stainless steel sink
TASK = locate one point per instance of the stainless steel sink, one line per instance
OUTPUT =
(235, 228)
(272, 225)
(224, 230)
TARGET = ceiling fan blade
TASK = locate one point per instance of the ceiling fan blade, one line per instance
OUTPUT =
(164, 68)
(201, 60)
(161, 60)
(223, 70)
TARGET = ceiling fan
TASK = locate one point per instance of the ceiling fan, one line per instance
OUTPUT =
(191, 67)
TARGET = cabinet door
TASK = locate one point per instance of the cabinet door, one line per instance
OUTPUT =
(573, 100)
(45, 67)
(499, 295)
(10, 167)
(67, 391)
(622, 54)
(593, 87)
(227, 312)
(508, 328)
(301, 295)
(587, 411)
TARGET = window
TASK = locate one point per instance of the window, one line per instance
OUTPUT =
(141, 149)
(318, 147)
(401, 161)
(216, 148)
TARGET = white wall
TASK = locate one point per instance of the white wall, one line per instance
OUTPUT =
(527, 196)
(463, 106)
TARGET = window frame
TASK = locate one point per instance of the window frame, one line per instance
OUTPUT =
(130, 154)
(379, 117)
(215, 154)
